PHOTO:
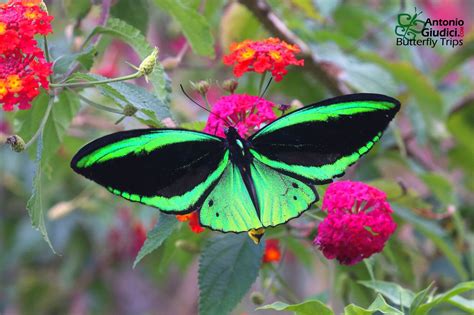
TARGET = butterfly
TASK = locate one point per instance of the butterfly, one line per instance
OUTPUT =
(239, 184)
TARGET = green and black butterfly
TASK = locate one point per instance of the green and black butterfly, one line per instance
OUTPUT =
(240, 184)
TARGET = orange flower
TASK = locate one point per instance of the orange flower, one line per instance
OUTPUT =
(193, 221)
(272, 251)
(271, 54)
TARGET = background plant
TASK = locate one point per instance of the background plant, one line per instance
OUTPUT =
(423, 163)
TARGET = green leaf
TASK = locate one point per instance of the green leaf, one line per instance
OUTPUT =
(462, 303)
(65, 107)
(194, 26)
(165, 226)
(308, 8)
(456, 58)
(134, 12)
(444, 297)
(310, 307)
(133, 37)
(379, 305)
(392, 291)
(420, 298)
(228, 266)
(85, 58)
(352, 309)
(63, 111)
(441, 188)
(301, 250)
(151, 110)
(35, 203)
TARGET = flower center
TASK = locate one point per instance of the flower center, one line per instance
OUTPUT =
(3, 28)
(3, 89)
(14, 84)
(275, 55)
(246, 54)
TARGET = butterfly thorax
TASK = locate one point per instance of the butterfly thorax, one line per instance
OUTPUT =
(239, 148)
(241, 157)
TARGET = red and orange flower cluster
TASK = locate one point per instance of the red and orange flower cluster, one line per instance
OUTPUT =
(271, 54)
(193, 221)
(23, 67)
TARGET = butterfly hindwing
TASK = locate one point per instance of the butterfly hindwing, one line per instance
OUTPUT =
(170, 169)
(228, 207)
(281, 197)
(319, 141)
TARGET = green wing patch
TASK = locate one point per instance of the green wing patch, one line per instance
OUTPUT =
(281, 197)
(228, 207)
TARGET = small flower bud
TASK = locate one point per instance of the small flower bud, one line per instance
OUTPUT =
(202, 87)
(148, 64)
(230, 85)
(16, 143)
(257, 298)
(187, 246)
(129, 110)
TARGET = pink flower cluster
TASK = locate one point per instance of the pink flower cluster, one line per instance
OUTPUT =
(358, 224)
(246, 113)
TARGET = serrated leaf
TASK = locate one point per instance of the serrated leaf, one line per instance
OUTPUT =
(133, 37)
(424, 309)
(391, 291)
(134, 12)
(150, 107)
(63, 111)
(165, 226)
(310, 307)
(228, 266)
(194, 26)
(85, 58)
(35, 203)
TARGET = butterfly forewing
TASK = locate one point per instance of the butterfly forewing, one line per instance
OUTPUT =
(320, 141)
(170, 169)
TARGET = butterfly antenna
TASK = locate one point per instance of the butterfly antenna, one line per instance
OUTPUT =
(207, 110)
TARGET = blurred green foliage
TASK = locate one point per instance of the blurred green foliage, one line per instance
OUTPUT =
(423, 163)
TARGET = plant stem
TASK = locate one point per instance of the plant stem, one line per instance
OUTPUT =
(43, 123)
(313, 216)
(92, 83)
(97, 105)
(291, 296)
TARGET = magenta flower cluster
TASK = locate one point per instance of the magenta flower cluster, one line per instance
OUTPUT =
(246, 113)
(358, 223)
